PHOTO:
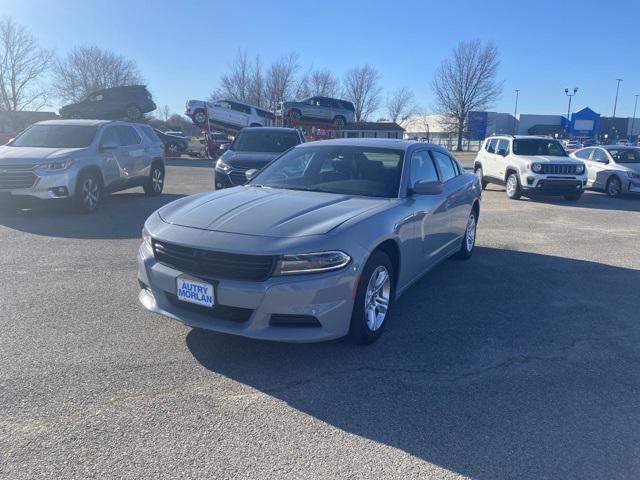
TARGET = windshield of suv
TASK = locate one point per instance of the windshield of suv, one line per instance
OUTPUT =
(271, 142)
(56, 136)
(372, 172)
(538, 146)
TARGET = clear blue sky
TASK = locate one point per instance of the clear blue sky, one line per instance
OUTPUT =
(182, 47)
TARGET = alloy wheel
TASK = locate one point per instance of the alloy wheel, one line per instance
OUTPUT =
(470, 237)
(172, 148)
(157, 180)
(614, 187)
(200, 117)
(511, 185)
(90, 193)
(377, 298)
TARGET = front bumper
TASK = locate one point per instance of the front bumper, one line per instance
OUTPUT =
(44, 187)
(326, 297)
(632, 186)
(553, 184)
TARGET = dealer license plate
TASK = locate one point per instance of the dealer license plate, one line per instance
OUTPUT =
(195, 291)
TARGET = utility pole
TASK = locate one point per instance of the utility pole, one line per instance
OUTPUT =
(570, 95)
(615, 104)
(515, 114)
(633, 119)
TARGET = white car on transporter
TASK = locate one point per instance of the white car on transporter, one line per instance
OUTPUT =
(228, 113)
(529, 165)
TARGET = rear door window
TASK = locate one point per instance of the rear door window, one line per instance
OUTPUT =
(445, 165)
(128, 135)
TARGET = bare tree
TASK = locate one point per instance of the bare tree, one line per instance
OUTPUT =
(235, 84)
(321, 83)
(361, 88)
(467, 82)
(22, 66)
(280, 80)
(401, 105)
(164, 113)
(87, 69)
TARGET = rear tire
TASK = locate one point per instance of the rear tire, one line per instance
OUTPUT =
(155, 183)
(514, 192)
(374, 298)
(88, 194)
(200, 117)
(469, 239)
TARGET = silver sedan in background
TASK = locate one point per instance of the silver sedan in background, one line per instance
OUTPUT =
(614, 169)
(318, 245)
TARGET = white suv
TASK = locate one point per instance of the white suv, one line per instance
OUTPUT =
(228, 113)
(529, 165)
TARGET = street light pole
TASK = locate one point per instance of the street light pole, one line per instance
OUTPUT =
(615, 104)
(570, 95)
(633, 119)
(515, 114)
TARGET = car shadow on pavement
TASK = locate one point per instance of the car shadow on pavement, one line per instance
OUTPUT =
(190, 162)
(511, 365)
(120, 216)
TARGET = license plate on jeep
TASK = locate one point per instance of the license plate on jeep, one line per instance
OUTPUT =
(195, 291)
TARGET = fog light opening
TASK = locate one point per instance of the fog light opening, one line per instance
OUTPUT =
(59, 192)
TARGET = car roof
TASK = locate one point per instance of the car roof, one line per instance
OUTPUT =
(269, 129)
(390, 143)
(86, 122)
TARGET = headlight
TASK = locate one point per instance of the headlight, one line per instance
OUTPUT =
(580, 169)
(311, 262)
(55, 166)
(146, 241)
(536, 167)
(223, 167)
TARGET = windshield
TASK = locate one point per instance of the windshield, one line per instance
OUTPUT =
(625, 155)
(271, 142)
(538, 146)
(56, 136)
(373, 172)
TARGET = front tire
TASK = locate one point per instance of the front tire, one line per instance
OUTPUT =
(155, 183)
(373, 299)
(200, 117)
(614, 187)
(88, 193)
(514, 192)
(480, 174)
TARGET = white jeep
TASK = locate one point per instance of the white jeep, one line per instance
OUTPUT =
(528, 165)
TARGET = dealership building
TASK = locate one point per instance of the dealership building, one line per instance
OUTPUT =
(582, 124)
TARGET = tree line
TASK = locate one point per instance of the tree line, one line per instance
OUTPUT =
(30, 76)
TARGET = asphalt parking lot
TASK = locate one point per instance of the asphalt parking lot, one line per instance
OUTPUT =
(521, 363)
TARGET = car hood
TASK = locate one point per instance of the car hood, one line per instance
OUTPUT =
(267, 212)
(237, 158)
(630, 166)
(29, 154)
(549, 159)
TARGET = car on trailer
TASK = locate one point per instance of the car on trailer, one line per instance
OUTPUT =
(228, 113)
(324, 109)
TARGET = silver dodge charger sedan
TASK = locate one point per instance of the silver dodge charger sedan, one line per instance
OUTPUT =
(318, 245)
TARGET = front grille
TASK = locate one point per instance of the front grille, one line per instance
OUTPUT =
(210, 264)
(288, 320)
(558, 169)
(17, 176)
(223, 312)
(247, 165)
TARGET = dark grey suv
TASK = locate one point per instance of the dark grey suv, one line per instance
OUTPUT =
(332, 110)
(129, 102)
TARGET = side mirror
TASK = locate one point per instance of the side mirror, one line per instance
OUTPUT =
(603, 161)
(425, 187)
(109, 145)
(250, 173)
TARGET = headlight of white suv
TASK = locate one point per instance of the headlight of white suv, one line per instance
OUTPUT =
(311, 262)
(536, 167)
(580, 169)
(223, 167)
(56, 166)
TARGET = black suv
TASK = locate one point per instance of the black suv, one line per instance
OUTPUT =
(119, 102)
(173, 145)
(253, 148)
